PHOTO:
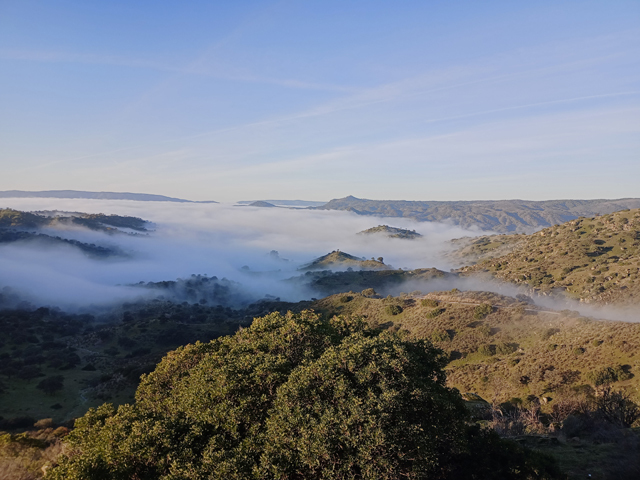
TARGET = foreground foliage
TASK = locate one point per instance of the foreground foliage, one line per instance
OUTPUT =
(294, 396)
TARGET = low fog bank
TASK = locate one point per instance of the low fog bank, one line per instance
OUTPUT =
(555, 302)
(237, 246)
(225, 241)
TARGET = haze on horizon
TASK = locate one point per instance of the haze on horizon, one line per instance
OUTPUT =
(318, 100)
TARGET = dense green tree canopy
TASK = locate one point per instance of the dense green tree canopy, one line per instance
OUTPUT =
(293, 397)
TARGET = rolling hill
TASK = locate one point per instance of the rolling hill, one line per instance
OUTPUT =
(140, 197)
(503, 216)
(391, 232)
(595, 260)
(341, 261)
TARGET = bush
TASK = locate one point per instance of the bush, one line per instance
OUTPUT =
(369, 292)
(486, 350)
(291, 397)
(429, 302)
(435, 312)
(51, 385)
(505, 348)
(617, 407)
(440, 336)
(482, 311)
(393, 309)
(608, 375)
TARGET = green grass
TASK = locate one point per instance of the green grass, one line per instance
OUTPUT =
(595, 259)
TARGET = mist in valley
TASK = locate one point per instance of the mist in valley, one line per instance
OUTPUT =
(249, 251)
(237, 243)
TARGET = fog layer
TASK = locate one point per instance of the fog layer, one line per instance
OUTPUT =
(212, 239)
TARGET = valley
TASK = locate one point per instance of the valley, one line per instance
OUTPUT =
(505, 352)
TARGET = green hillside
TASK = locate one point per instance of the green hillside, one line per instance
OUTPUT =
(596, 260)
(494, 341)
(16, 219)
(391, 232)
(342, 260)
(504, 216)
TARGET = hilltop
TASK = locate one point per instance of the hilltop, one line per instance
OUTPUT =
(17, 219)
(286, 203)
(139, 197)
(17, 226)
(387, 281)
(342, 260)
(503, 216)
(260, 203)
(595, 260)
(391, 232)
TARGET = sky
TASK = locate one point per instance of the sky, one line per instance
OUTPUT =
(415, 100)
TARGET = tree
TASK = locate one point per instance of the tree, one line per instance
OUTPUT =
(291, 397)
(51, 385)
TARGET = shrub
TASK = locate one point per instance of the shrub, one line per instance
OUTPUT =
(393, 309)
(44, 423)
(288, 397)
(482, 311)
(440, 336)
(608, 375)
(505, 348)
(485, 350)
(549, 332)
(483, 330)
(429, 303)
(369, 292)
(617, 407)
(51, 385)
(435, 312)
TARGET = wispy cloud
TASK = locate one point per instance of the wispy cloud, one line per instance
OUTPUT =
(195, 67)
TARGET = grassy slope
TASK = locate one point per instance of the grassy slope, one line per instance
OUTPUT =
(504, 216)
(596, 260)
(391, 232)
(342, 260)
(555, 350)
(16, 219)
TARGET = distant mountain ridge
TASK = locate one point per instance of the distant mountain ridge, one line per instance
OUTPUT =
(285, 203)
(140, 197)
(503, 216)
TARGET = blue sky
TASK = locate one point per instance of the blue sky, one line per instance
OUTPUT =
(318, 100)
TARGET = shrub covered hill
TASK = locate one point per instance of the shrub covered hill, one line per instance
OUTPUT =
(504, 347)
(504, 216)
(16, 219)
(596, 260)
(538, 369)
(296, 397)
(338, 260)
(391, 232)
(569, 382)
(17, 226)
